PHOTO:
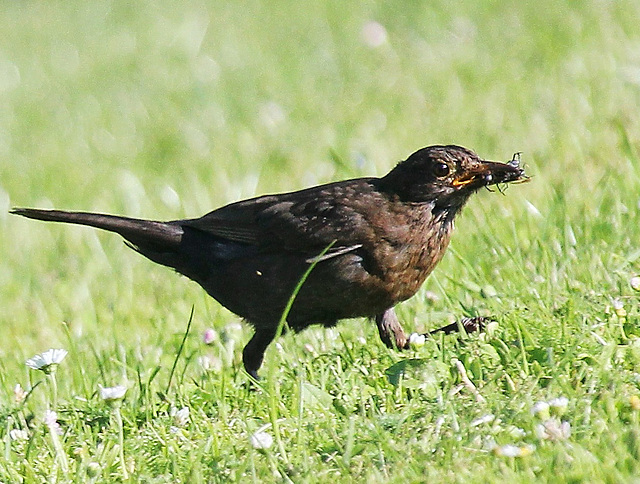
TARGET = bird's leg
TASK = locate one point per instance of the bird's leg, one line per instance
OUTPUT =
(253, 353)
(470, 325)
(391, 333)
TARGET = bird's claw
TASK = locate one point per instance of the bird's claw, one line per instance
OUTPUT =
(470, 325)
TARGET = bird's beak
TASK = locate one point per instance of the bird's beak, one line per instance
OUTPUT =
(488, 173)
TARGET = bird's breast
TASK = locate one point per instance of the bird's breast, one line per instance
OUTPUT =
(409, 257)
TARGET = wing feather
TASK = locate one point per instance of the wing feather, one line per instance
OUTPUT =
(305, 221)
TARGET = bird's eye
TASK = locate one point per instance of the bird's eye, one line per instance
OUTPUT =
(441, 170)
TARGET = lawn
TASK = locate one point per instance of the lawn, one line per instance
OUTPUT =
(168, 110)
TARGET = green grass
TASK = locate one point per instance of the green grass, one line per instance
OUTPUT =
(166, 110)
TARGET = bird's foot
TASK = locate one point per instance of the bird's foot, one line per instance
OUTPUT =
(470, 325)
(393, 336)
(391, 332)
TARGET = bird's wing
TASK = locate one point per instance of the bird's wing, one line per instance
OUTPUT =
(306, 221)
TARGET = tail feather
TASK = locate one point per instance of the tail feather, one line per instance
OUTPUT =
(141, 233)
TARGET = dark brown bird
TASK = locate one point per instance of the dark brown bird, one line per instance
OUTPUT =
(386, 236)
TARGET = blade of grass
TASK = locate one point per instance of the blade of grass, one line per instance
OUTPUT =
(184, 340)
(296, 290)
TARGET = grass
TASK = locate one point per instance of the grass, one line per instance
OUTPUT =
(158, 110)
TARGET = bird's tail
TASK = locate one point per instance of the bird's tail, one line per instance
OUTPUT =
(162, 236)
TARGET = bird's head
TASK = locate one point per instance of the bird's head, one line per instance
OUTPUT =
(448, 175)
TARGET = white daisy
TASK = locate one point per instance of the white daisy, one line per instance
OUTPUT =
(482, 420)
(541, 410)
(47, 361)
(180, 417)
(558, 405)
(51, 420)
(112, 394)
(261, 440)
(511, 450)
(416, 340)
(553, 429)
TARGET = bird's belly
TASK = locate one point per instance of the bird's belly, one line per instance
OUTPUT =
(258, 289)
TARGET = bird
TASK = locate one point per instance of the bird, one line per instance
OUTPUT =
(363, 244)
